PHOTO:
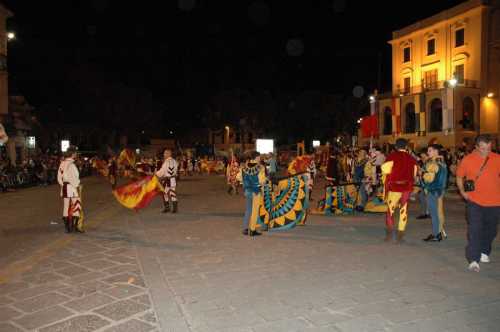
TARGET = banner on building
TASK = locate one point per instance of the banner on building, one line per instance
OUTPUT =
(369, 126)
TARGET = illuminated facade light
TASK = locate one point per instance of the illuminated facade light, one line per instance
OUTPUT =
(264, 146)
(372, 98)
(316, 143)
(490, 94)
(64, 145)
(453, 82)
(11, 35)
(30, 142)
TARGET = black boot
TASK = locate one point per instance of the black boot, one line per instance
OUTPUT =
(70, 224)
(388, 235)
(75, 225)
(254, 233)
(174, 207)
(66, 225)
(166, 207)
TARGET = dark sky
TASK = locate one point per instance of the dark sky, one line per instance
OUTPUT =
(197, 47)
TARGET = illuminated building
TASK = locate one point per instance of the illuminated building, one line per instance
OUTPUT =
(445, 77)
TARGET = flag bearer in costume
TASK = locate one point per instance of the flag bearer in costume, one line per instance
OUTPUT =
(254, 176)
(311, 171)
(168, 173)
(399, 171)
(232, 172)
(113, 171)
(69, 180)
(435, 175)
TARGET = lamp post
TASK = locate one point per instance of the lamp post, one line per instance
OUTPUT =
(11, 35)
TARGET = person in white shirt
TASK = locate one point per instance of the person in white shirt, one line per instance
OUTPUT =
(69, 180)
(167, 174)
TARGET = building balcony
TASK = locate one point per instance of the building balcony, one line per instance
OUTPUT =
(432, 86)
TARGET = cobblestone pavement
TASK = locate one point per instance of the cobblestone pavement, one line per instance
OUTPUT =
(194, 271)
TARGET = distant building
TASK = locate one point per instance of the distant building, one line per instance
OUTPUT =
(4, 100)
(445, 77)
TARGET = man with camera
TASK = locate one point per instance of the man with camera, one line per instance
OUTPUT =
(478, 179)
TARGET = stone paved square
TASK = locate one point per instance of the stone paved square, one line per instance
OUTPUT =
(195, 272)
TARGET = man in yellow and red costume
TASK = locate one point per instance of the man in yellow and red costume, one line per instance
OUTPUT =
(399, 172)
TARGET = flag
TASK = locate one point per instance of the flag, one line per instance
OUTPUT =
(101, 166)
(138, 194)
(126, 158)
(299, 165)
(286, 209)
(369, 126)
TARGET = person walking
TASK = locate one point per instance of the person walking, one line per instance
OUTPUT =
(478, 180)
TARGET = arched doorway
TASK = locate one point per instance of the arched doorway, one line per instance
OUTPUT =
(436, 115)
(468, 113)
(387, 121)
(410, 118)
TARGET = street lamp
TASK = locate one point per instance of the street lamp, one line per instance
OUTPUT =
(490, 94)
(11, 35)
(453, 82)
(372, 98)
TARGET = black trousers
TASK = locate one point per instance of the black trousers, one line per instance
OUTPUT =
(482, 222)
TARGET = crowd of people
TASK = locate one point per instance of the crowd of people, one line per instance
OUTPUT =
(36, 170)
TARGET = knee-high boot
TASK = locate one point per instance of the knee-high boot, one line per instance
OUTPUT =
(66, 224)
(174, 207)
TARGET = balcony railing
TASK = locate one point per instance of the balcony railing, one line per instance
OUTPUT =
(415, 89)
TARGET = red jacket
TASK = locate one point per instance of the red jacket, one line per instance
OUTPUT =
(402, 175)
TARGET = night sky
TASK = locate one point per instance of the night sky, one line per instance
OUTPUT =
(182, 52)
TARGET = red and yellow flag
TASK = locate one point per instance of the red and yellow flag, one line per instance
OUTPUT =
(299, 164)
(126, 158)
(139, 194)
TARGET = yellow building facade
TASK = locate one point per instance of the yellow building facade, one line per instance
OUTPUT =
(445, 78)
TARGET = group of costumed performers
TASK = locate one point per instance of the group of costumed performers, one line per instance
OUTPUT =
(68, 178)
(162, 181)
(267, 210)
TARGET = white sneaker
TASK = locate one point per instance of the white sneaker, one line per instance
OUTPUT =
(485, 258)
(474, 266)
(443, 233)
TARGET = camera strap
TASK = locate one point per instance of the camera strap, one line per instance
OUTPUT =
(481, 169)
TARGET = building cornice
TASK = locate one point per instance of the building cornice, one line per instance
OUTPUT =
(440, 17)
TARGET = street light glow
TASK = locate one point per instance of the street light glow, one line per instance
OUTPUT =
(490, 94)
(372, 98)
(453, 82)
(11, 35)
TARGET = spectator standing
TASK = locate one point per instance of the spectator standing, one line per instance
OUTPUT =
(482, 168)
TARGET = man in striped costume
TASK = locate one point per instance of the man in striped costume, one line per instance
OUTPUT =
(69, 180)
(168, 173)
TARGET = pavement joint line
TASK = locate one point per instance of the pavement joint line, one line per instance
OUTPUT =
(24, 265)
(185, 316)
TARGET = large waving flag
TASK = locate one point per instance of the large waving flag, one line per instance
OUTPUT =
(126, 158)
(139, 194)
(286, 209)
